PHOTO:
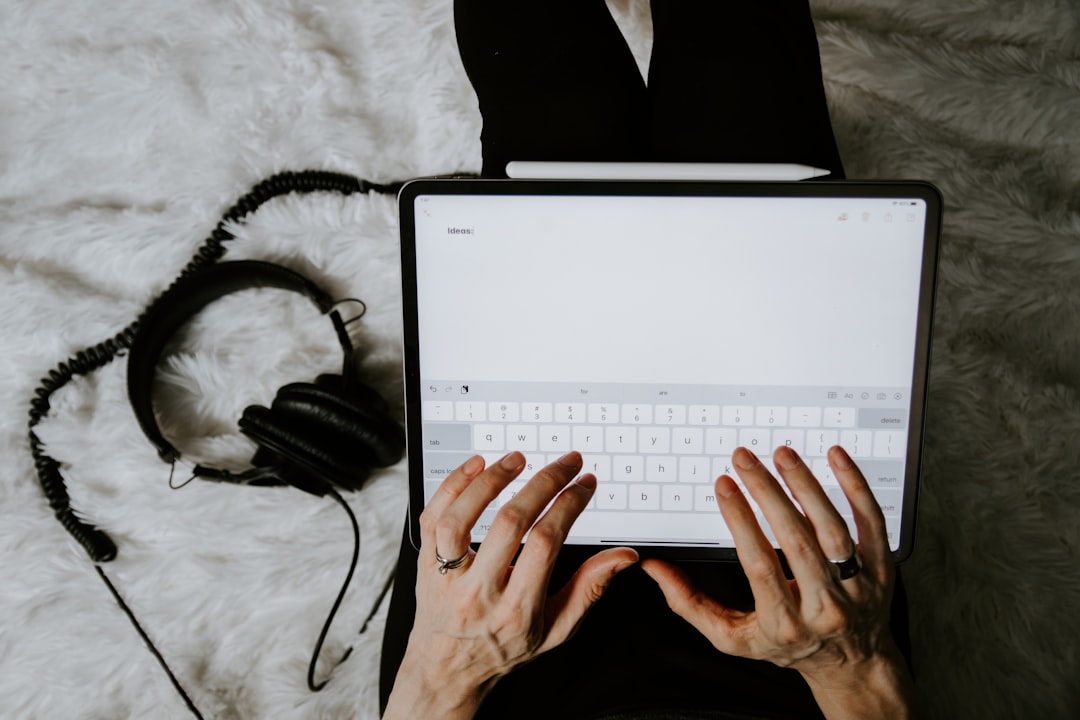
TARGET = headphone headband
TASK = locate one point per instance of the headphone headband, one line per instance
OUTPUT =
(180, 302)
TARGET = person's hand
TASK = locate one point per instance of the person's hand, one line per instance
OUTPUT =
(832, 628)
(477, 616)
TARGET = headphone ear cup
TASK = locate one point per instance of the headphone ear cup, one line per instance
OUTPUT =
(311, 430)
(355, 392)
(351, 425)
(293, 458)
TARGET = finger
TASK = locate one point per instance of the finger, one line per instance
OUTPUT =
(453, 527)
(756, 554)
(788, 524)
(723, 627)
(833, 535)
(516, 517)
(448, 491)
(532, 570)
(869, 520)
(567, 608)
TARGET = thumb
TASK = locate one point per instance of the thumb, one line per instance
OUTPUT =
(722, 626)
(568, 607)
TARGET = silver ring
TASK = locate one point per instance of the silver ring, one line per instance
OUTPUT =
(445, 564)
(850, 567)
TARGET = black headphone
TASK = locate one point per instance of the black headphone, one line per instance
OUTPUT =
(315, 436)
(327, 433)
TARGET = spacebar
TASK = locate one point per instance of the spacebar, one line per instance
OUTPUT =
(614, 526)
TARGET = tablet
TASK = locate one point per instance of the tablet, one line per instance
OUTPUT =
(655, 327)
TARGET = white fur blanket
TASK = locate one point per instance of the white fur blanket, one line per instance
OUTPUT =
(128, 127)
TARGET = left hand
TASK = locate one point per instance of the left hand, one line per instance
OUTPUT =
(479, 620)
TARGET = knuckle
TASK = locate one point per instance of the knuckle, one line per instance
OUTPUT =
(449, 526)
(427, 521)
(761, 568)
(839, 539)
(790, 633)
(801, 544)
(545, 538)
(513, 518)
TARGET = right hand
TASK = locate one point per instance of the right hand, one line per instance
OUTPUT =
(834, 631)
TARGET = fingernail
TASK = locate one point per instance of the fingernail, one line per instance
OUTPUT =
(512, 461)
(587, 481)
(841, 458)
(786, 458)
(571, 459)
(745, 459)
(725, 486)
(473, 466)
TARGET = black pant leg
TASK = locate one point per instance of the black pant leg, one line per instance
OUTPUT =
(399, 619)
(555, 81)
(738, 82)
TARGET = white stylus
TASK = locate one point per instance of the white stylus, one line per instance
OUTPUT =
(542, 170)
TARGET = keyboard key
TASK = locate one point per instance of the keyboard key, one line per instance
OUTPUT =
(628, 468)
(570, 412)
(438, 465)
(805, 416)
(890, 443)
(446, 436)
(488, 437)
(723, 466)
(610, 496)
(705, 499)
(891, 418)
(534, 463)
(637, 414)
(770, 416)
(695, 470)
(789, 437)
(603, 413)
(704, 415)
(824, 474)
(654, 440)
(882, 473)
(687, 440)
(738, 415)
(554, 438)
(661, 468)
(620, 439)
(721, 441)
(509, 492)
(588, 439)
(670, 415)
(598, 465)
(643, 497)
(818, 442)
(858, 443)
(521, 437)
(540, 412)
(757, 440)
(503, 411)
(469, 411)
(839, 417)
(437, 411)
(676, 498)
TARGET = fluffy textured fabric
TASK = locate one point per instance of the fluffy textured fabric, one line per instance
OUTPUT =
(127, 128)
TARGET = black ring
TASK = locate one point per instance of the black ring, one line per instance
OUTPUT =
(849, 568)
